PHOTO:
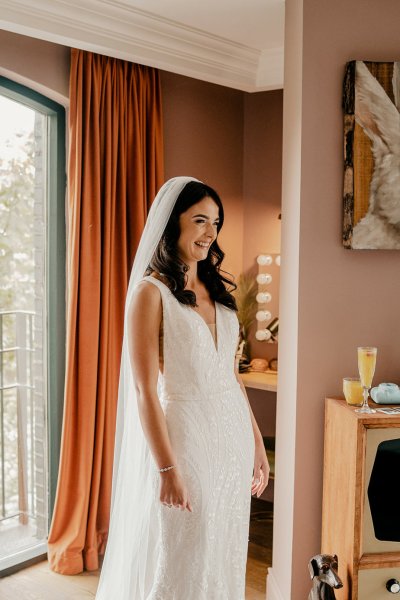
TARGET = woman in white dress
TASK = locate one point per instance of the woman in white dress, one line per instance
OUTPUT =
(188, 452)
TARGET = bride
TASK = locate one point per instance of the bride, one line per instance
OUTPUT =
(188, 451)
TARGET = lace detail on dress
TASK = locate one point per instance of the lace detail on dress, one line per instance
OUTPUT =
(203, 554)
(211, 326)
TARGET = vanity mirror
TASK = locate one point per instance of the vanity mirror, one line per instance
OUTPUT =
(267, 314)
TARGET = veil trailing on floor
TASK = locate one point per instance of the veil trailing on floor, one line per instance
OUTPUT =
(132, 549)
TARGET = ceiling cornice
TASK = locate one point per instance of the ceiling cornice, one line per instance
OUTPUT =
(114, 28)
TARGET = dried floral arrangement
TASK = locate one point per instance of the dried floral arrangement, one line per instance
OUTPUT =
(245, 296)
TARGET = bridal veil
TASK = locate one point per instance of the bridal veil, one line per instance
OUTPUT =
(132, 550)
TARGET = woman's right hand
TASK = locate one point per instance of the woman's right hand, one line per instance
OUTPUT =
(173, 490)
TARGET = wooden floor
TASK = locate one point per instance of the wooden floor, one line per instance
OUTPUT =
(38, 582)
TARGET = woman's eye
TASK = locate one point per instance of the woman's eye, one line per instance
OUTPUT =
(203, 221)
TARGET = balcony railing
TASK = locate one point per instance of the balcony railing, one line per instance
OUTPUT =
(23, 448)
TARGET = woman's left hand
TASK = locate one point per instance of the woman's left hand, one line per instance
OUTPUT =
(261, 469)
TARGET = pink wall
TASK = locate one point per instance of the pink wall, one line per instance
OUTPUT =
(262, 190)
(41, 65)
(262, 174)
(203, 132)
(334, 298)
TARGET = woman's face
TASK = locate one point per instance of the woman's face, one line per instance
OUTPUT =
(198, 226)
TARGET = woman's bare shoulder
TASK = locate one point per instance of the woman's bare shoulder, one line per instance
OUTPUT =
(144, 318)
(145, 308)
(147, 298)
(146, 301)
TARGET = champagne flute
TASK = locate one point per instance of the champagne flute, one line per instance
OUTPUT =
(366, 368)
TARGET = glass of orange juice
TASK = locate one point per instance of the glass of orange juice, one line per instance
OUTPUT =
(366, 368)
(353, 391)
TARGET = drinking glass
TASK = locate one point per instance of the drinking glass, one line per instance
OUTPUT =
(353, 391)
(366, 368)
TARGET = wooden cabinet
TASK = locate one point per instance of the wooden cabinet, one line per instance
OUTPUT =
(361, 499)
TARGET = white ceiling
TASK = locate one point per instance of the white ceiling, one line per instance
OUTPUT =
(237, 43)
(255, 23)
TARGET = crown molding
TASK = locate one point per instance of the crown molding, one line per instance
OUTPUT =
(115, 28)
(270, 69)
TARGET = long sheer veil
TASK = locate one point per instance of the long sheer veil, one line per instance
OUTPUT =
(132, 550)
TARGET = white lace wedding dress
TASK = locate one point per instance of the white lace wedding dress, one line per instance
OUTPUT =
(202, 555)
(159, 553)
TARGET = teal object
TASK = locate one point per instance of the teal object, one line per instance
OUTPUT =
(386, 393)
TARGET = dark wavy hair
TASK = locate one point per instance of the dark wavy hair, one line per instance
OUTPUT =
(167, 261)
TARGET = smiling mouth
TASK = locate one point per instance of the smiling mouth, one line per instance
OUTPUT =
(203, 244)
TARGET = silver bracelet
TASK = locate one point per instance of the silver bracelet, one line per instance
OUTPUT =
(166, 468)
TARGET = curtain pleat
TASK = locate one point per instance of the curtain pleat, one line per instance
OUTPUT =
(115, 170)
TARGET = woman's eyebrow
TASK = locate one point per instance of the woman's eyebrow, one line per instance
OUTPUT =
(204, 216)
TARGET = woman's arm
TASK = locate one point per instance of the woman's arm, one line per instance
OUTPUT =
(261, 466)
(144, 319)
(257, 433)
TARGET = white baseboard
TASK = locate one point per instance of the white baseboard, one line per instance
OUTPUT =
(273, 591)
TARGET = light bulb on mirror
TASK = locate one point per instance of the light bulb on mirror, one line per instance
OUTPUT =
(264, 259)
(264, 278)
(263, 315)
(263, 335)
(263, 297)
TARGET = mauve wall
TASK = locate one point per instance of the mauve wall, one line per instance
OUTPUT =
(262, 174)
(203, 133)
(41, 65)
(262, 190)
(344, 298)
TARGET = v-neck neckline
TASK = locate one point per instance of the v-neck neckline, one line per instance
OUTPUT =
(215, 346)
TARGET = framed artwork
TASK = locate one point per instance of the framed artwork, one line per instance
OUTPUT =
(371, 198)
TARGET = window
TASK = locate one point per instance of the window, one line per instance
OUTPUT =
(32, 317)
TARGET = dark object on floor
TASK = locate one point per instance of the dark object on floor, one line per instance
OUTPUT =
(261, 523)
(323, 571)
(260, 533)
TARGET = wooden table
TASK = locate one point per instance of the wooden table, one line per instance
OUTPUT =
(260, 381)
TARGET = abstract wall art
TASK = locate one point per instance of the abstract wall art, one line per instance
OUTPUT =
(371, 199)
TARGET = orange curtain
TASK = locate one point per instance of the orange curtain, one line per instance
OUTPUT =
(115, 170)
